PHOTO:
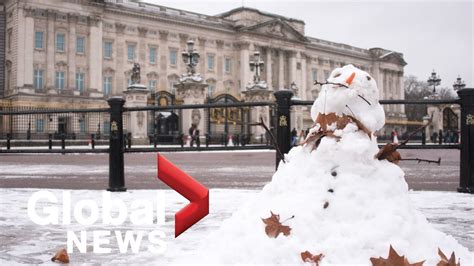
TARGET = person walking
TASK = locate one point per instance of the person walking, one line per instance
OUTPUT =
(192, 133)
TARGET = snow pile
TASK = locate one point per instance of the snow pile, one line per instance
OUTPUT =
(367, 203)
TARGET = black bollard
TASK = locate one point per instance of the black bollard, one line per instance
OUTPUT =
(466, 182)
(129, 140)
(283, 100)
(9, 136)
(63, 141)
(92, 141)
(50, 141)
(116, 145)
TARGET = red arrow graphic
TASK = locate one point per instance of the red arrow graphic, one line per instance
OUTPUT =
(188, 187)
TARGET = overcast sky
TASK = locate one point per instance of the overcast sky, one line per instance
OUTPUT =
(431, 35)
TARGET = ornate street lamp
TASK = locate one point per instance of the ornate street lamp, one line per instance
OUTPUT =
(191, 58)
(256, 65)
(434, 80)
(459, 84)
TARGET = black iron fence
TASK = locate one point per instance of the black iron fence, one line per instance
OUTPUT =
(111, 128)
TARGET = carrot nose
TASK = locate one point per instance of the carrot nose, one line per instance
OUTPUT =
(350, 78)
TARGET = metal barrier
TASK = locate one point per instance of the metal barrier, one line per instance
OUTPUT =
(118, 144)
(466, 102)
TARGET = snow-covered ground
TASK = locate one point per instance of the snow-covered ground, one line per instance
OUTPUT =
(24, 242)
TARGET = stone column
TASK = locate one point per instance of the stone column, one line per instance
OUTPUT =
(201, 68)
(268, 66)
(244, 64)
(220, 66)
(163, 59)
(50, 51)
(136, 96)
(95, 57)
(257, 93)
(183, 38)
(120, 59)
(71, 55)
(292, 69)
(192, 93)
(281, 71)
(304, 82)
(25, 43)
(402, 91)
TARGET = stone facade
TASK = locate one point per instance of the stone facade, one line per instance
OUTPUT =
(79, 52)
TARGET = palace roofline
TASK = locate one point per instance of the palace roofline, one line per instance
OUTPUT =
(242, 8)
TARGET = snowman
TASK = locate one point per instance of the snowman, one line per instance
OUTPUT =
(341, 202)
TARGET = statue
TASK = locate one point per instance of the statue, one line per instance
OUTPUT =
(136, 73)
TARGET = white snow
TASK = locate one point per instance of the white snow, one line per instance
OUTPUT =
(23, 242)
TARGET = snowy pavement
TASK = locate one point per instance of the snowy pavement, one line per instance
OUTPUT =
(223, 169)
(24, 242)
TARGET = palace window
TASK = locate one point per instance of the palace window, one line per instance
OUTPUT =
(326, 74)
(60, 42)
(210, 62)
(80, 82)
(228, 65)
(314, 74)
(59, 80)
(80, 45)
(39, 125)
(108, 50)
(211, 88)
(152, 55)
(107, 85)
(173, 57)
(131, 52)
(39, 39)
(152, 84)
(82, 125)
(38, 79)
(9, 40)
(106, 127)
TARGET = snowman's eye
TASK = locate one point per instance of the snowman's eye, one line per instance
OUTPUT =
(369, 78)
(337, 75)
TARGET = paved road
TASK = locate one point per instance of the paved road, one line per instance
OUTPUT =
(247, 169)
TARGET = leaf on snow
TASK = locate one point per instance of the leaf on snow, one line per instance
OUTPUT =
(314, 259)
(444, 260)
(393, 260)
(389, 152)
(61, 256)
(274, 227)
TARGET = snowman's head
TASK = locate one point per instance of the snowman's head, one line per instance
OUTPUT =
(350, 91)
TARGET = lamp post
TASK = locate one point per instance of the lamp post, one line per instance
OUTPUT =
(459, 84)
(434, 80)
(190, 58)
(256, 65)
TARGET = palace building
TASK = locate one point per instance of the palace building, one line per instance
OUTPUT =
(78, 53)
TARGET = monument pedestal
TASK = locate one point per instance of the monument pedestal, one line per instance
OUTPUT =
(136, 96)
(191, 89)
(258, 92)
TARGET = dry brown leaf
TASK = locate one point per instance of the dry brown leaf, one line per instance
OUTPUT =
(444, 260)
(274, 227)
(61, 256)
(393, 260)
(313, 259)
(389, 152)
